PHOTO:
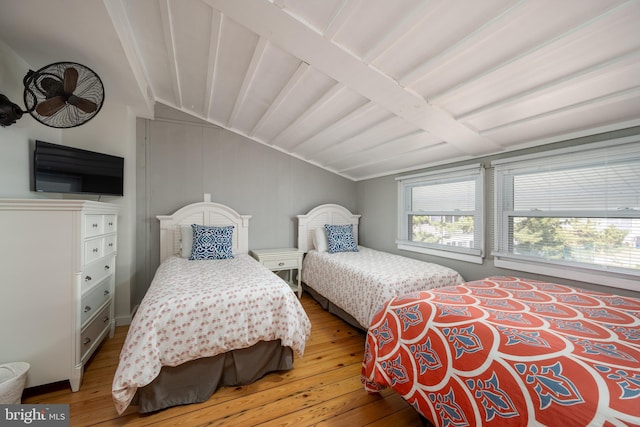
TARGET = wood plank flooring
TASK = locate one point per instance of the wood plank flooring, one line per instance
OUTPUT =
(323, 389)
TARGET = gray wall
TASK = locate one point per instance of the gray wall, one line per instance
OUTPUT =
(180, 158)
(377, 201)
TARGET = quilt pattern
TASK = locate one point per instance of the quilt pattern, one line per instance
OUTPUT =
(509, 351)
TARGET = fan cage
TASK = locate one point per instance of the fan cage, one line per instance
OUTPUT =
(89, 86)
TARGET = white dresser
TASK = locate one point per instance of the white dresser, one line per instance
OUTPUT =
(57, 269)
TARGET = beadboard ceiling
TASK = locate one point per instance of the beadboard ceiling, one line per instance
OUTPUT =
(363, 88)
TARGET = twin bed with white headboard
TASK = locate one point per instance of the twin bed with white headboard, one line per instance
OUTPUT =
(353, 281)
(203, 213)
(198, 326)
(317, 218)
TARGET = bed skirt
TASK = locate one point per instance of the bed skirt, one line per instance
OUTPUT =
(333, 309)
(197, 380)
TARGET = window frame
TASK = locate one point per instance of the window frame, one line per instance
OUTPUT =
(618, 277)
(475, 172)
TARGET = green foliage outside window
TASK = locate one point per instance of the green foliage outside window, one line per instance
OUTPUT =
(574, 239)
(441, 229)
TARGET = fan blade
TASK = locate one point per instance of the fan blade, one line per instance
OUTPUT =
(83, 104)
(50, 106)
(70, 80)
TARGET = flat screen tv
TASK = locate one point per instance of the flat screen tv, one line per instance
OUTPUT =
(61, 169)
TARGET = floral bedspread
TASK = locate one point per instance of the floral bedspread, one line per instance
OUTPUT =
(361, 282)
(509, 351)
(197, 309)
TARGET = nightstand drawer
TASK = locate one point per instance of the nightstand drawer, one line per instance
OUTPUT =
(280, 259)
(281, 263)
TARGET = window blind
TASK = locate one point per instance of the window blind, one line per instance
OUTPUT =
(442, 212)
(578, 207)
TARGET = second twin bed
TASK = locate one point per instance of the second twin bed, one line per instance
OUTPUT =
(355, 282)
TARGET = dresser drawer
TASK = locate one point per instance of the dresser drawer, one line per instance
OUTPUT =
(94, 299)
(109, 244)
(96, 225)
(93, 249)
(93, 225)
(283, 263)
(110, 223)
(96, 271)
(92, 334)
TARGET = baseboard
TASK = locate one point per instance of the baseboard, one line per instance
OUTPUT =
(126, 320)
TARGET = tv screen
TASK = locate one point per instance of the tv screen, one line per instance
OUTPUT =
(60, 169)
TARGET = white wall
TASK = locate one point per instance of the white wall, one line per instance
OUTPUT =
(112, 131)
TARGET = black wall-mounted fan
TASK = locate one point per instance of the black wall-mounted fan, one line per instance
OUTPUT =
(60, 95)
(63, 95)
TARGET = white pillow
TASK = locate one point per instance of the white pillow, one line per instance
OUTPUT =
(186, 232)
(320, 239)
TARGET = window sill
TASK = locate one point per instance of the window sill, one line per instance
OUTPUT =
(476, 259)
(614, 280)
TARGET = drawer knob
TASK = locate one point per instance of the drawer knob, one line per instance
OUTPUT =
(87, 308)
(110, 245)
(95, 250)
(106, 267)
(87, 279)
(110, 223)
(106, 292)
(86, 341)
(280, 264)
(106, 319)
(95, 225)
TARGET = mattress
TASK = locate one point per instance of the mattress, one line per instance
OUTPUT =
(196, 309)
(361, 282)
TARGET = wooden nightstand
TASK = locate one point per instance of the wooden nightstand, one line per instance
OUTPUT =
(281, 259)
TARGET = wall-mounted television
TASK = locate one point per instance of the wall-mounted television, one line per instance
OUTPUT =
(61, 169)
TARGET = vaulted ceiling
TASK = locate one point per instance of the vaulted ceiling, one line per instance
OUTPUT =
(362, 88)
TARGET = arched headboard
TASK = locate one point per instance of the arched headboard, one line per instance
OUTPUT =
(202, 213)
(318, 217)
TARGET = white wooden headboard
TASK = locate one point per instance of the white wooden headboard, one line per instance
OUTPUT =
(202, 213)
(318, 217)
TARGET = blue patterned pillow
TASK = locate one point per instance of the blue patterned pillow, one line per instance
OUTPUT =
(212, 242)
(340, 238)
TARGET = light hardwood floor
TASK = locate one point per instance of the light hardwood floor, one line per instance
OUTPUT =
(323, 389)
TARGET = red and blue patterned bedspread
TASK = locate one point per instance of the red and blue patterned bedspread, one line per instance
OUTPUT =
(509, 351)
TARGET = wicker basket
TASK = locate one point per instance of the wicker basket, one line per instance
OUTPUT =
(12, 379)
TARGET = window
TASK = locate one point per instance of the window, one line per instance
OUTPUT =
(440, 213)
(575, 213)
